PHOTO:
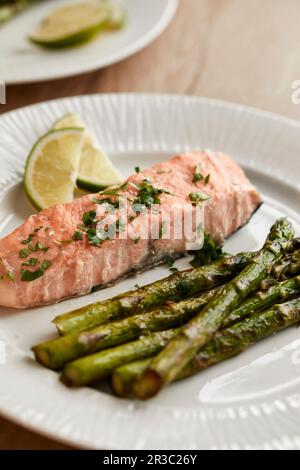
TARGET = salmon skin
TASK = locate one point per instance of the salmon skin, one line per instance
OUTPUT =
(56, 254)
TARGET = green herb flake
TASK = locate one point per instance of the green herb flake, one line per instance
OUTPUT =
(170, 263)
(137, 169)
(27, 240)
(31, 262)
(46, 264)
(198, 197)
(115, 204)
(88, 218)
(93, 238)
(197, 174)
(136, 240)
(39, 246)
(24, 253)
(10, 276)
(77, 236)
(28, 276)
(208, 253)
(207, 179)
(113, 191)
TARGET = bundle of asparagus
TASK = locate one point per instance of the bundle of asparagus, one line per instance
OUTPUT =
(173, 328)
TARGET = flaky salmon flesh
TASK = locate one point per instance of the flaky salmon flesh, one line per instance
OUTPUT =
(58, 254)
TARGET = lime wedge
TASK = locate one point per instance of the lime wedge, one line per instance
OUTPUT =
(96, 171)
(74, 24)
(52, 167)
(117, 17)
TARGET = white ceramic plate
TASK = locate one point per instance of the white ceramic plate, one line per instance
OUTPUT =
(21, 61)
(250, 401)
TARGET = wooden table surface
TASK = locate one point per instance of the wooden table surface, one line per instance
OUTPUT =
(243, 51)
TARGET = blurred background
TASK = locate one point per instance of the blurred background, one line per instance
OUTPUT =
(237, 50)
(244, 51)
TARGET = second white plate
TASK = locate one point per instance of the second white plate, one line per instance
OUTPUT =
(21, 61)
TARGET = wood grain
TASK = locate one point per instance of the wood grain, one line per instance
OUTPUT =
(243, 51)
(237, 50)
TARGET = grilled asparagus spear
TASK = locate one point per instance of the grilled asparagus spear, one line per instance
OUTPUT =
(201, 329)
(58, 352)
(98, 366)
(288, 266)
(180, 285)
(227, 343)
(262, 300)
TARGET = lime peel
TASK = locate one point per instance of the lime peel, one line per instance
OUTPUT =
(52, 167)
(70, 25)
(96, 171)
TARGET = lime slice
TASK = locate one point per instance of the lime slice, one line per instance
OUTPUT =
(96, 171)
(70, 25)
(117, 17)
(52, 167)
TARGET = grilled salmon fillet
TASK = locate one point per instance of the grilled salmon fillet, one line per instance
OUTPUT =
(55, 255)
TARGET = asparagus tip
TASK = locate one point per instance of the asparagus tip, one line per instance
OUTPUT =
(148, 385)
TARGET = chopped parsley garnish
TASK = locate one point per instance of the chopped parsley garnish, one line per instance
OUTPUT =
(137, 169)
(136, 240)
(197, 175)
(10, 275)
(24, 253)
(88, 218)
(113, 191)
(89, 227)
(40, 247)
(46, 264)
(31, 262)
(77, 236)
(170, 263)
(198, 197)
(94, 240)
(28, 276)
(27, 240)
(114, 204)
(148, 195)
(207, 179)
(208, 253)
